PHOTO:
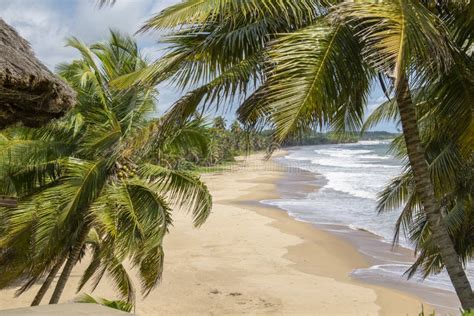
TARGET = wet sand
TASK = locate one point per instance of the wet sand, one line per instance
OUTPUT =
(297, 183)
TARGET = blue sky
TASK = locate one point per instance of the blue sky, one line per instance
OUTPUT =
(47, 23)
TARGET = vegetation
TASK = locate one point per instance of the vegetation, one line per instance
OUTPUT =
(201, 146)
(306, 64)
(105, 178)
(433, 313)
(120, 305)
(82, 184)
(315, 138)
(452, 176)
(198, 144)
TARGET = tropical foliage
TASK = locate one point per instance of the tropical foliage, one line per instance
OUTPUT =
(106, 177)
(120, 305)
(197, 144)
(294, 65)
(451, 170)
(200, 144)
(83, 188)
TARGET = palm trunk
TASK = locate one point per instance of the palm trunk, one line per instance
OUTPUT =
(47, 283)
(424, 187)
(70, 263)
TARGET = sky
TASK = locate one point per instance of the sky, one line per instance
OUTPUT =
(47, 23)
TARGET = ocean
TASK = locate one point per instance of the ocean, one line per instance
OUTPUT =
(349, 177)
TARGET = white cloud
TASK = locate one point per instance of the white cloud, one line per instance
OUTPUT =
(40, 25)
(160, 5)
(375, 103)
(47, 23)
(92, 23)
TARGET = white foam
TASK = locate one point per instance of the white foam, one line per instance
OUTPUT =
(339, 181)
(377, 157)
(347, 163)
(341, 152)
(396, 271)
(354, 174)
(358, 228)
(374, 142)
(360, 172)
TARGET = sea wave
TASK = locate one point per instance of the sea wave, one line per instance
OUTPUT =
(397, 272)
(374, 142)
(351, 175)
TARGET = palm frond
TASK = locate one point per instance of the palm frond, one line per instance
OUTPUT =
(309, 85)
(198, 12)
(396, 194)
(399, 35)
(151, 269)
(183, 188)
(386, 112)
(120, 305)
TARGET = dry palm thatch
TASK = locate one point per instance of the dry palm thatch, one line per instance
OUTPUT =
(29, 92)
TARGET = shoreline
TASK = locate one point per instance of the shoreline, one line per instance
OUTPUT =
(443, 301)
(250, 259)
(388, 298)
(313, 234)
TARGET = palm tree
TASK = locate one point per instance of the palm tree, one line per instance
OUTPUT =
(237, 137)
(182, 146)
(81, 183)
(219, 123)
(451, 170)
(304, 64)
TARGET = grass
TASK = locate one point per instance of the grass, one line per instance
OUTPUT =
(433, 313)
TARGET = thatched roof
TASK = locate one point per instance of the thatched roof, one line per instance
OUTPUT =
(29, 92)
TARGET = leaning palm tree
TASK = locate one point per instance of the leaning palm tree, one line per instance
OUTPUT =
(404, 42)
(82, 183)
(306, 63)
(451, 170)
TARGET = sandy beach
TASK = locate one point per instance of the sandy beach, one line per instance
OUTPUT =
(251, 259)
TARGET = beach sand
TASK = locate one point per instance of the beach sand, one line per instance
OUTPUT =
(251, 259)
